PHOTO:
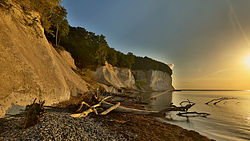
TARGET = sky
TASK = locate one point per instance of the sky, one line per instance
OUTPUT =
(206, 40)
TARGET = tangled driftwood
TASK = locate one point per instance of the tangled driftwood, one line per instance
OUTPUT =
(33, 113)
(110, 106)
(91, 108)
(185, 106)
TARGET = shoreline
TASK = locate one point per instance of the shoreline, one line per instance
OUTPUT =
(148, 127)
(57, 124)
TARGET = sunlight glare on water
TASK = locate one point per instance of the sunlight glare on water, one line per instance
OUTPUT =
(248, 118)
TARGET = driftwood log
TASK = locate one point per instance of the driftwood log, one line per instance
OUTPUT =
(91, 108)
(111, 109)
(185, 106)
(128, 110)
(218, 100)
(193, 114)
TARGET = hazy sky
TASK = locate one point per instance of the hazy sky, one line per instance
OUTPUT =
(206, 40)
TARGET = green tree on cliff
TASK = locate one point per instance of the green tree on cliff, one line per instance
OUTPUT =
(60, 23)
(112, 56)
(52, 16)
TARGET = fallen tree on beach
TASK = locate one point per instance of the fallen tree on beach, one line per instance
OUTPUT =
(185, 106)
(91, 108)
(103, 104)
(111, 107)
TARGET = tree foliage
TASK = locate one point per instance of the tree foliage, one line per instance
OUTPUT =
(52, 16)
(90, 50)
(59, 23)
(146, 63)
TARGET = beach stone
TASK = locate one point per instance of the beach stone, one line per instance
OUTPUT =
(59, 125)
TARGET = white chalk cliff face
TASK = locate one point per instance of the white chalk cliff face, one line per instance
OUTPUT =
(153, 80)
(29, 66)
(123, 78)
(160, 81)
(116, 77)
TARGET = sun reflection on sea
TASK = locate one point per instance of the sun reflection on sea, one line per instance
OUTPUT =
(248, 118)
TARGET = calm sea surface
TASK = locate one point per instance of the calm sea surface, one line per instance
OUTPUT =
(229, 120)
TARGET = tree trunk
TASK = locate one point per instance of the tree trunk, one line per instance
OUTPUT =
(57, 30)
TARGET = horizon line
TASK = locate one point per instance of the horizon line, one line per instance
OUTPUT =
(209, 90)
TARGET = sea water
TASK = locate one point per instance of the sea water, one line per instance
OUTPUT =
(228, 120)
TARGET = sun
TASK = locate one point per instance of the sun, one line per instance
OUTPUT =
(247, 61)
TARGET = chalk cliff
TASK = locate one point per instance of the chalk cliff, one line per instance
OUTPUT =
(116, 77)
(151, 80)
(68, 58)
(29, 66)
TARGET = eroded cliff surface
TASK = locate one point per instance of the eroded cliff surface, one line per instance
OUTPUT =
(29, 66)
(116, 77)
(151, 80)
(68, 58)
